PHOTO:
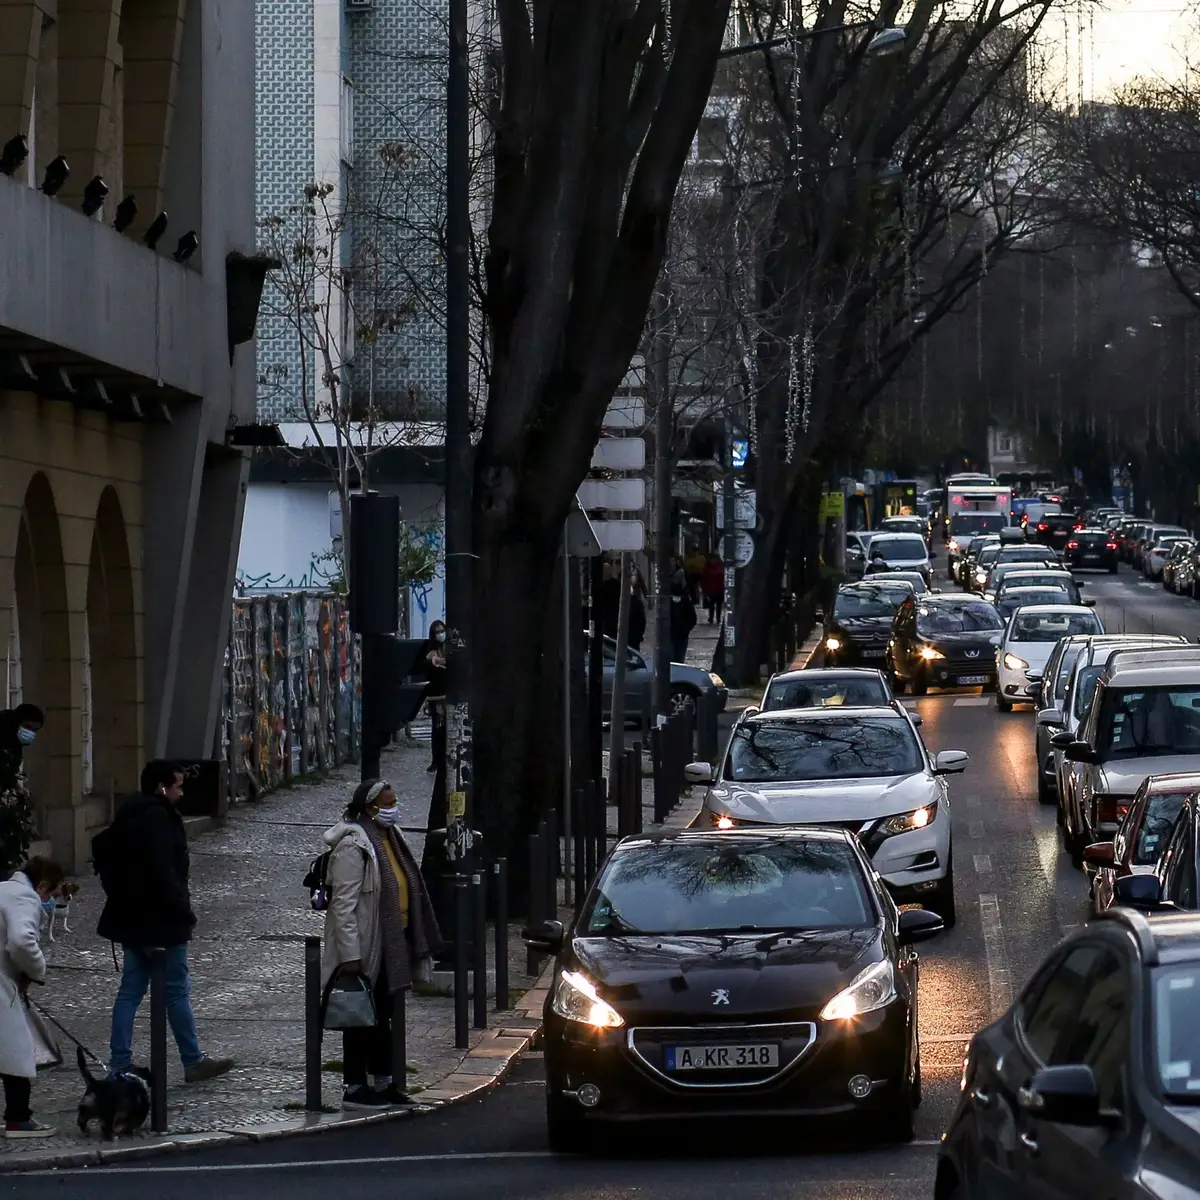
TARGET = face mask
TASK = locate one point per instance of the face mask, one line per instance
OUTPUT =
(26, 736)
(387, 817)
(440, 636)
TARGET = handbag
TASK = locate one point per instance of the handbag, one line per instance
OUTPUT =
(46, 1051)
(348, 1004)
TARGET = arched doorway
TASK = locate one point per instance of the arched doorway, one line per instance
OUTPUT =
(110, 706)
(45, 644)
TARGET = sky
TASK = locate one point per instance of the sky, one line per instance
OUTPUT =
(1120, 40)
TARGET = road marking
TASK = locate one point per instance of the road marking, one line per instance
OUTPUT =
(975, 829)
(983, 864)
(940, 1038)
(999, 983)
(972, 701)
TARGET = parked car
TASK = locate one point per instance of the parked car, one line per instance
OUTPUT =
(1162, 550)
(866, 770)
(1087, 1085)
(1027, 642)
(1093, 549)
(826, 687)
(943, 642)
(857, 630)
(856, 553)
(686, 682)
(1143, 835)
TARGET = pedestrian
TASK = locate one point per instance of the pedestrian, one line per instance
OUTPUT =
(637, 610)
(143, 863)
(608, 600)
(435, 695)
(22, 963)
(713, 585)
(683, 619)
(19, 728)
(379, 925)
(693, 567)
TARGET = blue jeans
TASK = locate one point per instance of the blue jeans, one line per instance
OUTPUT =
(135, 979)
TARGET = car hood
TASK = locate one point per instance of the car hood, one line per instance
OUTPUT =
(1126, 775)
(768, 975)
(823, 800)
(961, 641)
(861, 627)
(1036, 654)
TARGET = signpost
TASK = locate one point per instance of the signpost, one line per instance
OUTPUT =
(743, 548)
(745, 506)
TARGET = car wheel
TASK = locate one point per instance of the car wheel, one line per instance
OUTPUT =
(942, 900)
(1045, 795)
(897, 684)
(1002, 704)
(920, 685)
(683, 700)
(565, 1131)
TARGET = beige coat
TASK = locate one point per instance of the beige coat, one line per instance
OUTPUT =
(20, 954)
(353, 929)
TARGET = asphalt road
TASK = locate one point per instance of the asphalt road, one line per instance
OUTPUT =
(1016, 896)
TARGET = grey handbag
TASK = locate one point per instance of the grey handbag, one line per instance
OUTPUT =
(349, 1003)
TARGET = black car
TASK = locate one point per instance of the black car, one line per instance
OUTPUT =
(1095, 548)
(1175, 882)
(715, 974)
(1090, 1084)
(1055, 530)
(857, 631)
(943, 641)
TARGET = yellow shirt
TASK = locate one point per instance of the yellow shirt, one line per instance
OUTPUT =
(401, 879)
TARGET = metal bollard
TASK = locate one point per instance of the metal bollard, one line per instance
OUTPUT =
(500, 875)
(462, 931)
(479, 948)
(399, 1039)
(312, 1024)
(635, 786)
(158, 1040)
(537, 897)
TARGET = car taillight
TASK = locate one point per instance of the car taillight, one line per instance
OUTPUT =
(1111, 809)
(1078, 528)
(1072, 545)
(1043, 527)
(1110, 545)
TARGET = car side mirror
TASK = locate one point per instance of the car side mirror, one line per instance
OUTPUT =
(1100, 854)
(917, 719)
(1080, 752)
(1090, 602)
(698, 772)
(1078, 582)
(547, 937)
(1050, 717)
(1034, 690)
(917, 925)
(1138, 891)
(1060, 741)
(1066, 1095)
(950, 762)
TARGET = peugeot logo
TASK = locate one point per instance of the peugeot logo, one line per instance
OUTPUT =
(720, 996)
(972, 653)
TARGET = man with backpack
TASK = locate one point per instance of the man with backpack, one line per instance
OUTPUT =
(142, 861)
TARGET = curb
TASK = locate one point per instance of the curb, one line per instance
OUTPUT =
(483, 1067)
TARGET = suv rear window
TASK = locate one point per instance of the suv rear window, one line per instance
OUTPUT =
(1091, 539)
(1059, 521)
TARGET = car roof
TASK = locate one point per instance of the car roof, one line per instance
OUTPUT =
(1177, 781)
(827, 673)
(1152, 666)
(1053, 610)
(940, 600)
(792, 715)
(725, 837)
(1018, 591)
(1163, 938)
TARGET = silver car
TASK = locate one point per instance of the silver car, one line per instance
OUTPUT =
(899, 552)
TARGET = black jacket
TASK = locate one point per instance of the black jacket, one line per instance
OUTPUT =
(147, 889)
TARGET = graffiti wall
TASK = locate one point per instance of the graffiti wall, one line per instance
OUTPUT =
(291, 700)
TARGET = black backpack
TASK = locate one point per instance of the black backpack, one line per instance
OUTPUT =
(109, 854)
(316, 881)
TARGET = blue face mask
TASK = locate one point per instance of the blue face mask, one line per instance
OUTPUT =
(26, 736)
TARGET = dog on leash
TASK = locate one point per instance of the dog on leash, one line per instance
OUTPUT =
(119, 1103)
(67, 892)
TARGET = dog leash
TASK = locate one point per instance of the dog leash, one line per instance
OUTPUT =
(64, 1030)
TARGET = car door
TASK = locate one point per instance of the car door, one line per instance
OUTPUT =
(899, 646)
(1061, 1161)
(1179, 866)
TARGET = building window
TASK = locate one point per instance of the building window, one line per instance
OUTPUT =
(1004, 443)
(347, 116)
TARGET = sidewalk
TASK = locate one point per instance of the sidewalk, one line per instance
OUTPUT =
(247, 964)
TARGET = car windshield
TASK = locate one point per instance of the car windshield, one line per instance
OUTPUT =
(976, 522)
(1091, 539)
(1049, 627)
(989, 554)
(782, 751)
(873, 600)
(1177, 1032)
(1026, 579)
(823, 691)
(901, 547)
(1059, 521)
(727, 885)
(1160, 720)
(1085, 689)
(1012, 599)
(1024, 554)
(1157, 826)
(970, 616)
(905, 525)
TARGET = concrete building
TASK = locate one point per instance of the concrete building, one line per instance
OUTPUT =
(122, 369)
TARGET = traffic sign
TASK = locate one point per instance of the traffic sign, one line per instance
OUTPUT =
(743, 548)
(745, 509)
(614, 495)
(620, 535)
(619, 454)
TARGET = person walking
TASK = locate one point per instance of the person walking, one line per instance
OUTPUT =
(683, 618)
(19, 728)
(379, 925)
(637, 610)
(143, 863)
(712, 584)
(435, 695)
(22, 963)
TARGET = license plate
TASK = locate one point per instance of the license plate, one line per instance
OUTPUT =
(720, 1058)
(868, 653)
(968, 680)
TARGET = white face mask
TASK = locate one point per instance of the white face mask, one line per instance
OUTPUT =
(387, 817)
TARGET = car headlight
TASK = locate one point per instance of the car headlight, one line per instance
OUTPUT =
(929, 653)
(833, 642)
(722, 820)
(716, 680)
(872, 988)
(907, 822)
(980, 574)
(576, 998)
(1013, 663)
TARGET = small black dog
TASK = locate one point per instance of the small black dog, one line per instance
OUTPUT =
(120, 1104)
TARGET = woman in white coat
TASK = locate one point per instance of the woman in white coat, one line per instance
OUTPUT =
(21, 963)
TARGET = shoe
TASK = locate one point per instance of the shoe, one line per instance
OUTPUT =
(394, 1095)
(206, 1068)
(365, 1098)
(28, 1129)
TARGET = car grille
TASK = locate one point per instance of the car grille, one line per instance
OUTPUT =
(794, 1039)
(982, 656)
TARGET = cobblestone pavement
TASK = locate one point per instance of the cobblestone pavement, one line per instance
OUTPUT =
(247, 963)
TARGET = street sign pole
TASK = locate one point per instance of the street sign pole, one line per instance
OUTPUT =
(728, 645)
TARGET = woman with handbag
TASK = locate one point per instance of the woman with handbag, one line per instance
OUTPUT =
(22, 963)
(380, 935)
